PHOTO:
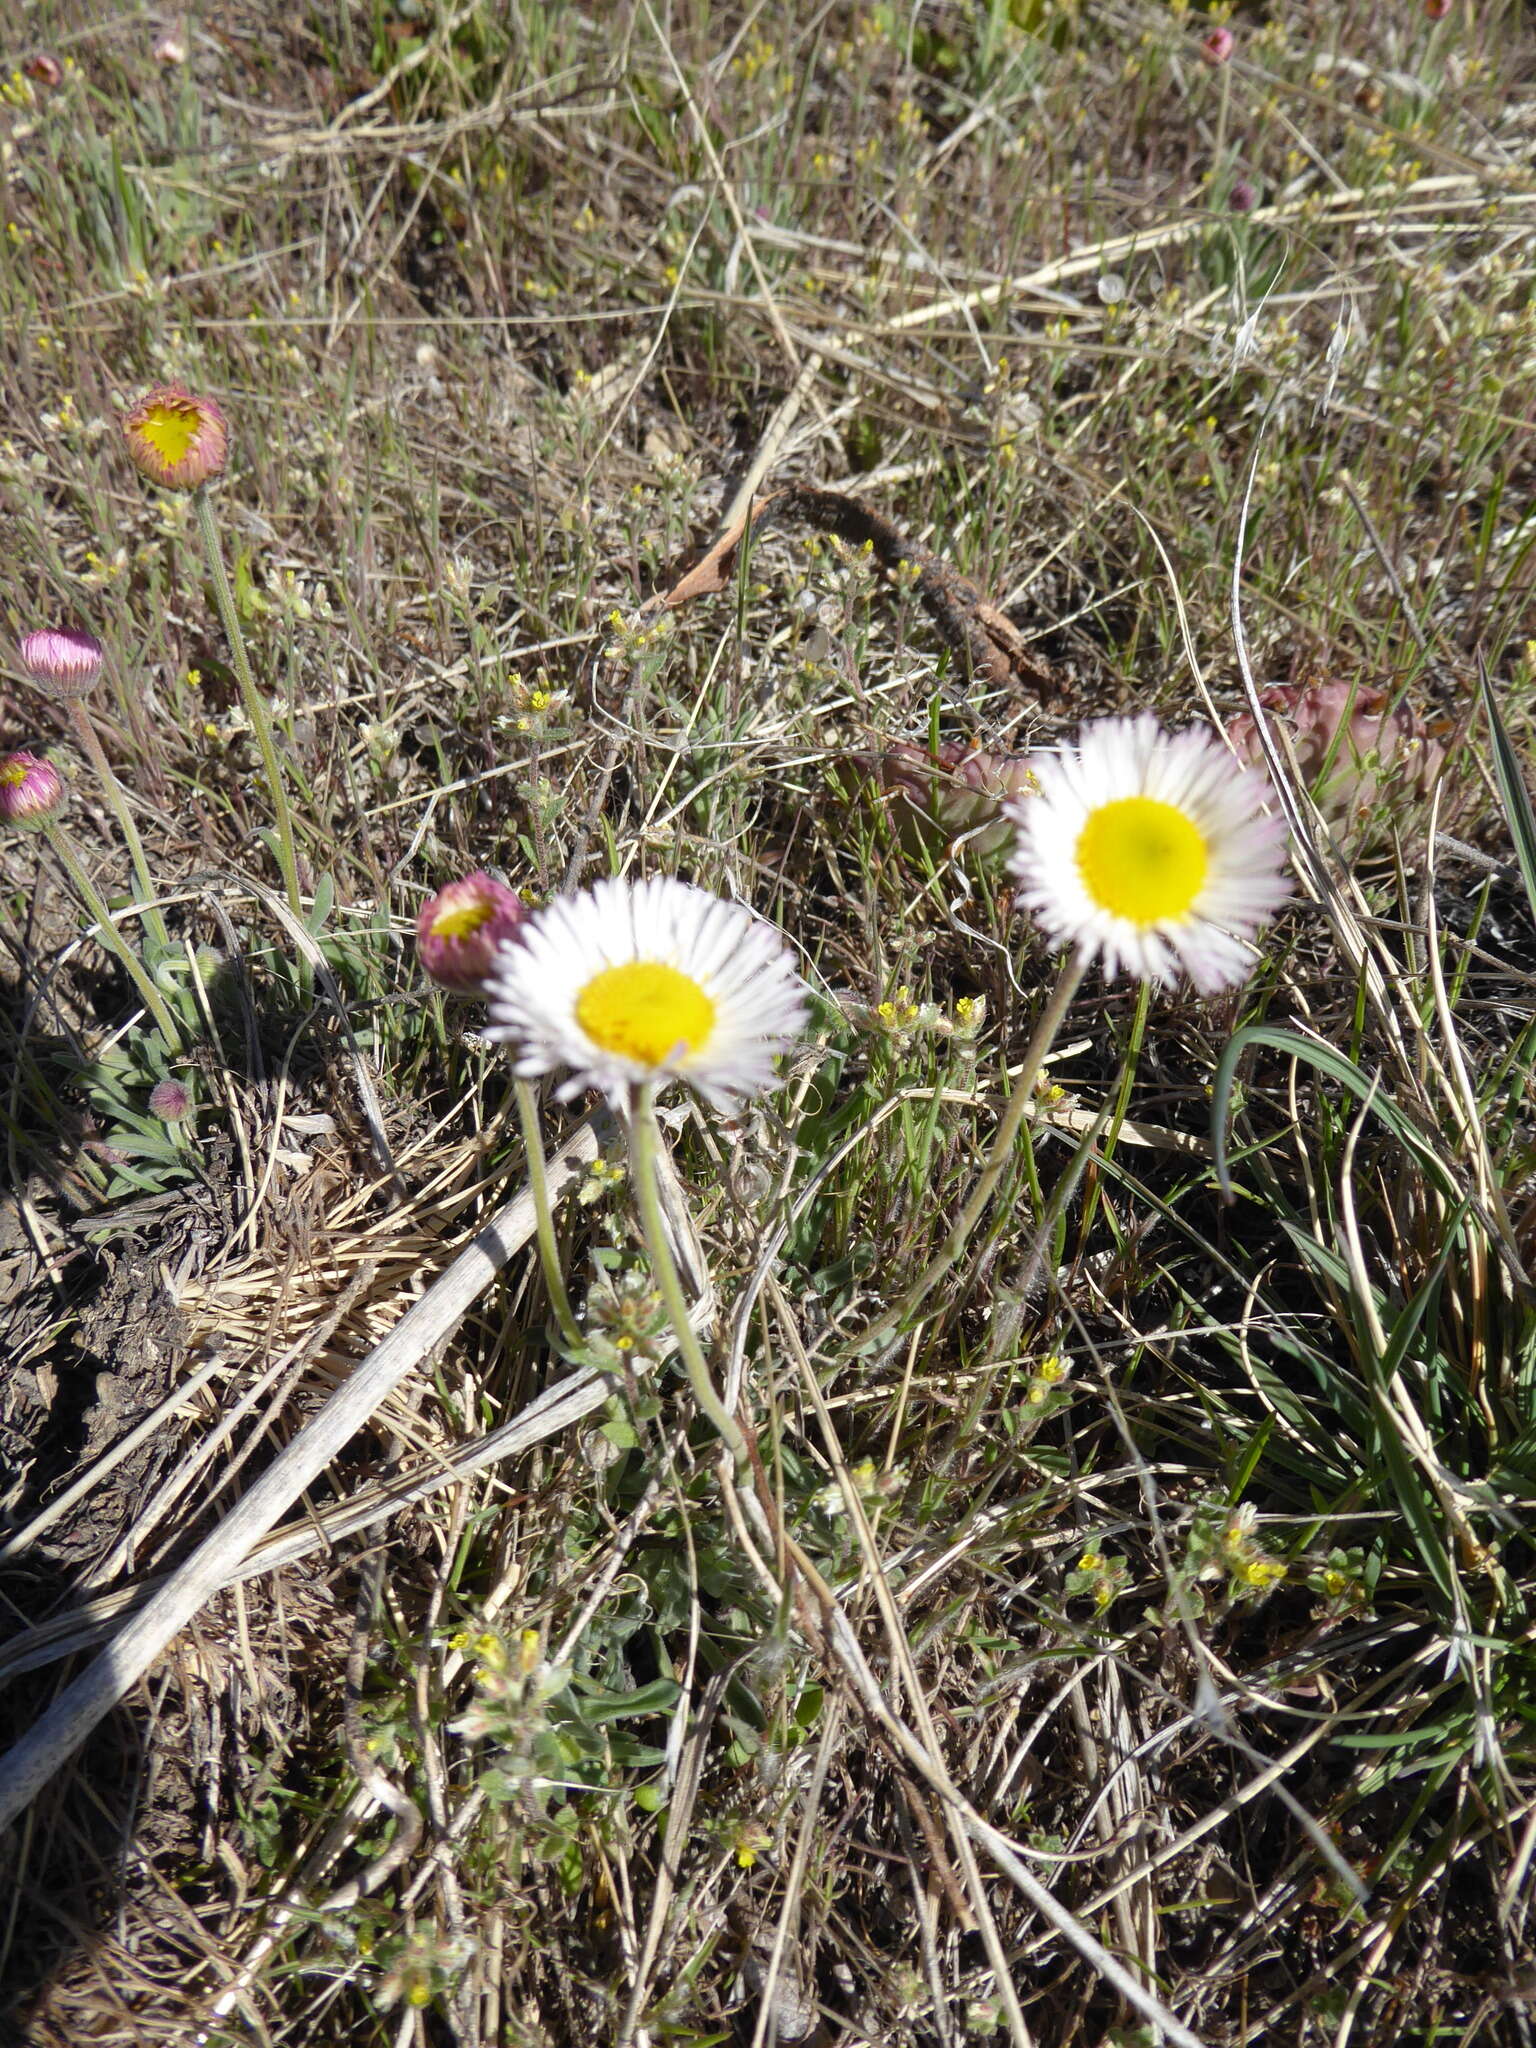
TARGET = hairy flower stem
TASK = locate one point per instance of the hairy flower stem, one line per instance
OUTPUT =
(112, 790)
(1050, 1022)
(644, 1154)
(113, 939)
(543, 1215)
(255, 710)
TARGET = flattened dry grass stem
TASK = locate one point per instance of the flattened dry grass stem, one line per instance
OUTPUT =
(28, 1766)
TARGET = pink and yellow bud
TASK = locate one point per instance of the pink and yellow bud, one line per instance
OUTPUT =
(461, 928)
(62, 660)
(176, 438)
(30, 788)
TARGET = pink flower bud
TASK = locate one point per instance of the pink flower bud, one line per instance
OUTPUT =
(1218, 46)
(170, 1100)
(44, 69)
(1242, 198)
(1437, 10)
(67, 662)
(461, 927)
(30, 788)
(176, 438)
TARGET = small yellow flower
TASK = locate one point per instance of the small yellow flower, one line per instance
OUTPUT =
(751, 1840)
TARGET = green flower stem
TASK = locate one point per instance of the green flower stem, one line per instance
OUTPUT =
(644, 1149)
(1051, 1019)
(543, 1215)
(113, 939)
(112, 790)
(255, 710)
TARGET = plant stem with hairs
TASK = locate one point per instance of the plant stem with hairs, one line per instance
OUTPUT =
(543, 1215)
(255, 709)
(644, 1152)
(112, 790)
(1050, 1022)
(112, 938)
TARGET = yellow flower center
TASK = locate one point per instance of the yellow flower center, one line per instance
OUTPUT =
(13, 774)
(1142, 859)
(458, 924)
(645, 1011)
(170, 430)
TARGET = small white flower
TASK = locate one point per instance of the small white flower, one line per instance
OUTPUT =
(650, 981)
(1151, 850)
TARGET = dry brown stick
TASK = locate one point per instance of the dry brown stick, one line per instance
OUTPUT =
(985, 640)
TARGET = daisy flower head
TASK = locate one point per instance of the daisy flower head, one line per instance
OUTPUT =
(1152, 851)
(176, 438)
(634, 982)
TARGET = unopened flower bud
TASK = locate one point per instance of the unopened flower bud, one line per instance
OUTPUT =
(1218, 46)
(176, 438)
(951, 798)
(1348, 744)
(462, 926)
(170, 1100)
(62, 660)
(30, 788)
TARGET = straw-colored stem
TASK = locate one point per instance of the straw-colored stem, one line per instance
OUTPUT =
(644, 1148)
(112, 790)
(255, 709)
(1045, 1031)
(113, 939)
(544, 1215)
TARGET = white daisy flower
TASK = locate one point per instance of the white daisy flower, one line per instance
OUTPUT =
(1152, 851)
(647, 981)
